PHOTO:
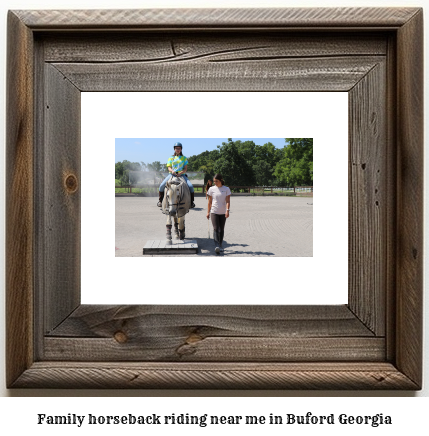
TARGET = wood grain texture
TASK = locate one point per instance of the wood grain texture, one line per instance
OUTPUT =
(209, 47)
(206, 18)
(368, 202)
(213, 333)
(39, 201)
(163, 246)
(215, 376)
(19, 200)
(391, 192)
(409, 264)
(61, 169)
(99, 321)
(192, 347)
(330, 74)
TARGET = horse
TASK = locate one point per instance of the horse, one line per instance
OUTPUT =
(176, 203)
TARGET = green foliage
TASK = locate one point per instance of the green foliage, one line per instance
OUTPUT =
(263, 173)
(295, 166)
(235, 162)
(122, 167)
(244, 164)
(119, 170)
(204, 162)
(122, 170)
(156, 166)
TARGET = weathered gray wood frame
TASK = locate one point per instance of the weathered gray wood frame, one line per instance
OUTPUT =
(373, 342)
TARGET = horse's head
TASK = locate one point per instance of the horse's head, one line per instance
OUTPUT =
(172, 196)
(177, 198)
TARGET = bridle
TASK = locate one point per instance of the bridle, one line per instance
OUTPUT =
(179, 196)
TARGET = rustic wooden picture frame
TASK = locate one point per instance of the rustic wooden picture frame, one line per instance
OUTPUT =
(373, 342)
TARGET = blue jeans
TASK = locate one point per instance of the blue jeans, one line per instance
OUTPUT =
(162, 185)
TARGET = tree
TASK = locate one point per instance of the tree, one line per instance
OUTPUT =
(156, 166)
(204, 162)
(268, 153)
(125, 178)
(247, 150)
(266, 157)
(123, 168)
(119, 170)
(233, 163)
(263, 173)
(247, 163)
(296, 163)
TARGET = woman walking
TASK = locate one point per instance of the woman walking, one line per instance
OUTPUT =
(218, 209)
(177, 165)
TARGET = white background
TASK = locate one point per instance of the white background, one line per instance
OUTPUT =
(107, 279)
(20, 413)
(406, 414)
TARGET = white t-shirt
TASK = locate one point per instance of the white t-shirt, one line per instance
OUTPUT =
(218, 196)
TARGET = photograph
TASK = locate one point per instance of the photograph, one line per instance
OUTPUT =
(228, 197)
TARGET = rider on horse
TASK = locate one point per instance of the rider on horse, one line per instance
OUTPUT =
(177, 165)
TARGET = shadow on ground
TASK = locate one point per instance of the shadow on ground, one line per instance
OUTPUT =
(207, 246)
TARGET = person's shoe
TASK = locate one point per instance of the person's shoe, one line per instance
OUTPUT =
(216, 241)
(220, 239)
(192, 200)
(161, 197)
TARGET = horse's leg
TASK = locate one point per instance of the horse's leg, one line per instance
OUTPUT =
(182, 227)
(176, 227)
(169, 229)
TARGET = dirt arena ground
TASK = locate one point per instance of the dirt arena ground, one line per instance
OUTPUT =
(257, 226)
